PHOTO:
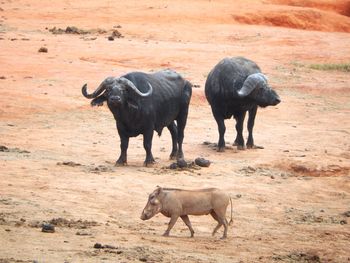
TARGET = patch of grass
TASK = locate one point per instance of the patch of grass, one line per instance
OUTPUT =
(345, 67)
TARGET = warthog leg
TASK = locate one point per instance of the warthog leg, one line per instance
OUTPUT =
(220, 217)
(214, 215)
(188, 224)
(171, 224)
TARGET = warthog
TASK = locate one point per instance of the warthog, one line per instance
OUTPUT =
(175, 203)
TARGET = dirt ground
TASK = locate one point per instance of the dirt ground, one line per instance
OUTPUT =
(291, 199)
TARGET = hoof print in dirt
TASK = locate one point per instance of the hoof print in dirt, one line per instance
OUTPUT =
(202, 162)
(48, 228)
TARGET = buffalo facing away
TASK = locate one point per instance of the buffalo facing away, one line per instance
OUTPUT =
(233, 87)
(142, 103)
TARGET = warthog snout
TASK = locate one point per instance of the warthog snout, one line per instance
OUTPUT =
(143, 216)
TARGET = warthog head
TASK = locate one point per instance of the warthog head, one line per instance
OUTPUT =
(257, 88)
(153, 205)
(115, 91)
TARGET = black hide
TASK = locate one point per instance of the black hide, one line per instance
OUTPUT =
(135, 115)
(221, 87)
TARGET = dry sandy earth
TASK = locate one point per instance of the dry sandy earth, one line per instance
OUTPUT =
(289, 198)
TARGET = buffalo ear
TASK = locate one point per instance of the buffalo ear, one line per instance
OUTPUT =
(98, 101)
(252, 82)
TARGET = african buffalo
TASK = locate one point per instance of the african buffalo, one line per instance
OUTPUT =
(142, 103)
(233, 87)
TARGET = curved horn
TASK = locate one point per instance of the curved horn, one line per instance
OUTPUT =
(135, 89)
(99, 90)
(252, 82)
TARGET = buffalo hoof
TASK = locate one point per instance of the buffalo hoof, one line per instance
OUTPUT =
(221, 149)
(240, 147)
(166, 234)
(149, 163)
(172, 157)
(222, 238)
(120, 163)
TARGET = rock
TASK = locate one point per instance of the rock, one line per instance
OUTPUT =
(3, 148)
(69, 163)
(173, 166)
(48, 228)
(111, 38)
(110, 246)
(117, 34)
(143, 259)
(343, 222)
(98, 245)
(202, 162)
(347, 213)
(43, 50)
(181, 163)
(82, 234)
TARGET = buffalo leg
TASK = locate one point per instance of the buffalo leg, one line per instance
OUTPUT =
(147, 144)
(239, 141)
(181, 124)
(124, 143)
(171, 225)
(222, 128)
(173, 131)
(213, 214)
(188, 224)
(251, 119)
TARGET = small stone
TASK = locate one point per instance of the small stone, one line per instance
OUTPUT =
(98, 245)
(181, 163)
(272, 177)
(143, 259)
(43, 50)
(347, 213)
(202, 162)
(111, 38)
(343, 222)
(48, 228)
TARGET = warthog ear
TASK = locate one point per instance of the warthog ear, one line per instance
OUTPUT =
(158, 190)
(252, 82)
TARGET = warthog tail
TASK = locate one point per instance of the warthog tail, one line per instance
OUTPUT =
(231, 221)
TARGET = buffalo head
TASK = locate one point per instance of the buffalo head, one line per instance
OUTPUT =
(115, 91)
(256, 88)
